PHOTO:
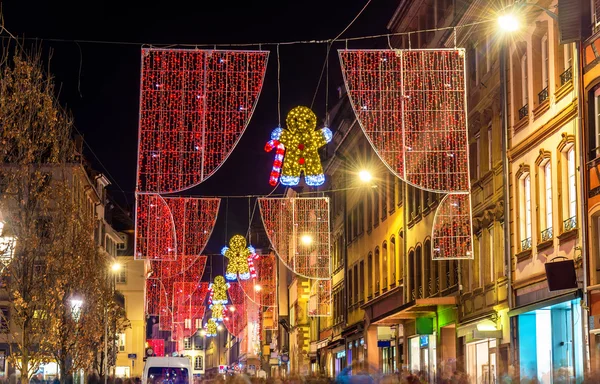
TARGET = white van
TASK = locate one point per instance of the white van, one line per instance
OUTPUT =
(167, 370)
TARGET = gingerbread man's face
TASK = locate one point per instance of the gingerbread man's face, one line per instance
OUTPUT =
(219, 280)
(237, 243)
(301, 119)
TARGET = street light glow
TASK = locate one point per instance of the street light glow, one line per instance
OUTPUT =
(232, 308)
(365, 176)
(257, 287)
(116, 267)
(508, 23)
(306, 239)
(219, 327)
(203, 333)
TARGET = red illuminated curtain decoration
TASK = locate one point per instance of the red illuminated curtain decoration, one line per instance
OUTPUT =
(265, 281)
(319, 303)
(170, 226)
(236, 319)
(452, 230)
(157, 346)
(411, 105)
(188, 305)
(288, 222)
(194, 107)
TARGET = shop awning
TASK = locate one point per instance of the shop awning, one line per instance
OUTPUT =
(575, 294)
(413, 309)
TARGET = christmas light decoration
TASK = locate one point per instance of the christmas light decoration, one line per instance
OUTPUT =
(194, 106)
(319, 303)
(452, 230)
(170, 226)
(157, 346)
(218, 291)
(301, 144)
(211, 328)
(218, 312)
(286, 220)
(411, 104)
(266, 278)
(239, 257)
(237, 319)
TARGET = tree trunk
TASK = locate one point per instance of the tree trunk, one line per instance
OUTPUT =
(62, 367)
(25, 365)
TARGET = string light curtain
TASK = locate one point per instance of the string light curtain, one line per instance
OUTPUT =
(452, 232)
(298, 229)
(319, 303)
(411, 104)
(262, 290)
(237, 318)
(194, 106)
(170, 226)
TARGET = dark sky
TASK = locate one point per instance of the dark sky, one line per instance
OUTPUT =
(99, 83)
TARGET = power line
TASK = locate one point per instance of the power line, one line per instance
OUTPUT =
(256, 44)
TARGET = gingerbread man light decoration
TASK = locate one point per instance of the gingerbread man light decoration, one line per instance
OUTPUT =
(297, 149)
(240, 259)
(211, 328)
(218, 291)
(218, 312)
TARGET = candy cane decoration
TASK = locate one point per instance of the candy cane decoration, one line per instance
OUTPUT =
(278, 160)
(251, 259)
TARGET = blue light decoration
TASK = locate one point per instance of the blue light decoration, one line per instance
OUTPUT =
(297, 149)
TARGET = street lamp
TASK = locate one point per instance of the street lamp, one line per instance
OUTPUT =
(116, 267)
(365, 176)
(508, 22)
(76, 305)
(306, 239)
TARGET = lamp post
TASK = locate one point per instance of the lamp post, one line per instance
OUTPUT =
(76, 305)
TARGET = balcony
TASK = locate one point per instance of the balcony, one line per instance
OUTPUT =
(543, 95)
(570, 224)
(526, 244)
(547, 234)
(566, 76)
(524, 111)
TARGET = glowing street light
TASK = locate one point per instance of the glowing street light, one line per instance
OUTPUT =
(508, 22)
(306, 239)
(76, 305)
(257, 287)
(116, 267)
(232, 308)
(219, 327)
(203, 333)
(365, 176)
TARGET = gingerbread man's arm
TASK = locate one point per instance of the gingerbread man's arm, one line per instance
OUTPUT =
(285, 137)
(322, 136)
(227, 252)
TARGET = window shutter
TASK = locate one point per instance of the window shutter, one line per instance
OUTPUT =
(569, 20)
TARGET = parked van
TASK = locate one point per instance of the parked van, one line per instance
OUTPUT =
(167, 370)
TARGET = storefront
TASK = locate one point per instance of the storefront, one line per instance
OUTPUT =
(355, 352)
(550, 345)
(422, 356)
(480, 340)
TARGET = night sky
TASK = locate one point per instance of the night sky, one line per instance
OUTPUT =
(99, 83)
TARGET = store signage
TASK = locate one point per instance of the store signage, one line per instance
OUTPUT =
(132, 356)
(340, 355)
(424, 341)
(222, 368)
(384, 343)
(285, 358)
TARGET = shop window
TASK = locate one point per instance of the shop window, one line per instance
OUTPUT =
(481, 361)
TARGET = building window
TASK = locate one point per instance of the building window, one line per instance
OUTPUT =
(121, 276)
(350, 290)
(370, 275)
(4, 328)
(121, 342)
(198, 363)
(548, 200)
(572, 182)
(526, 213)
(377, 271)
(187, 343)
(595, 135)
(361, 283)
(489, 139)
(525, 84)
(545, 65)
(477, 157)
(492, 254)
(393, 261)
(384, 265)
(355, 284)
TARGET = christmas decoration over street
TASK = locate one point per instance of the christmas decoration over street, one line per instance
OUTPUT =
(298, 145)
(240, 259)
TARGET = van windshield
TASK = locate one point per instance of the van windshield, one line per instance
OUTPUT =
(164, 375)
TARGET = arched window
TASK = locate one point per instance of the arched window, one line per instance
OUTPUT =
(411, 282)
(392, 256)
(419, 272)
(428, 287)
(370, 276)
(384, 265)
(377, 271)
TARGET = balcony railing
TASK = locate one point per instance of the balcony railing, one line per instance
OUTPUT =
(547, 234)
(543, 95)
(570, 224)
(566, 76)
(524, 111)
(526, 244)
